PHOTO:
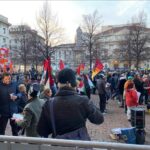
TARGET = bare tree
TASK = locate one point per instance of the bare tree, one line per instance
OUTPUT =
(124, 53)
(36, 55)
(90, 27)
(24, 38)
(139, 39)
(134, 47)
(49, 29)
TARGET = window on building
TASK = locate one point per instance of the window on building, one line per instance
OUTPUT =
(16, 41)
(65, 53)
(4, 40)
(59, 54)
(4, 30)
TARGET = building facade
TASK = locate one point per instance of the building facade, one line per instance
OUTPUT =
(4, 32)
(24, 44)
(110, 40)
(72, 54)
(107, 47)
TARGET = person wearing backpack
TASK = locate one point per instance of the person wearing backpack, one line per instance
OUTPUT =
(65, 115)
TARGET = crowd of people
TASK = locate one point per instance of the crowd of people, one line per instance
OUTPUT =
(62, 113)
(29, 97)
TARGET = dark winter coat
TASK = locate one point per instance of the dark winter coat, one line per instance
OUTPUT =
(71, 112)
(21, 101)
(101, 86)
(7, 106)
(121, 85)
(32, 113)
(139, 85)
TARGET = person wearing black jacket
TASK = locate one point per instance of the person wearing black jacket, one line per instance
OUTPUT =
(121, 84)
(139, 87)
(71, 110)
(101, 87)
(8, 105)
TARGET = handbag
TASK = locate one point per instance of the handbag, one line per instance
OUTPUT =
(79, 134)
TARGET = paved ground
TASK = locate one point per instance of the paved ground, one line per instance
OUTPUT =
(115, 118)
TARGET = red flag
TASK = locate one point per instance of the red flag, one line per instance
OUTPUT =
(11, 66)
(80, 68)
(45, 64)
(97, 68)
(51, 80)
(3, 60)
(61, 65)
(48, 69)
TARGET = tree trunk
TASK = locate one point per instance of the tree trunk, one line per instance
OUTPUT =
(36, 66)
(25, 66)
(90, 50)
(137, 64)
(90, 62)
(129, 65)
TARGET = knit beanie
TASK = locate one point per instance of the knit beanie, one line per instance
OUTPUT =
(67, 76)
(34, 89)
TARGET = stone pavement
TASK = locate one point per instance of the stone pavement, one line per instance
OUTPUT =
(115, 118)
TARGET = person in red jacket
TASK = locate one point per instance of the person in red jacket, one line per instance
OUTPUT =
(131, 99)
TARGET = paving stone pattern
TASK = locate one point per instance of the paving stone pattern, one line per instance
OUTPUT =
(115, 118)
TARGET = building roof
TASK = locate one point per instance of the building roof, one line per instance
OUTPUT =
(65, 45)
(4, 20)
(115, 29)
(18, 28)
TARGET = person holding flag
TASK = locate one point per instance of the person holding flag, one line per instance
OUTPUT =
(97, 68)
(68, 111)
(47, 79)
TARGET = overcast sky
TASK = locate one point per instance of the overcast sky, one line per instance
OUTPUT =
(70, 12)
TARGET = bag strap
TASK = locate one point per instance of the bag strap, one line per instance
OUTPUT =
(52, 117)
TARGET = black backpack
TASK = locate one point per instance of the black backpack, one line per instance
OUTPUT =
(140, 136)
